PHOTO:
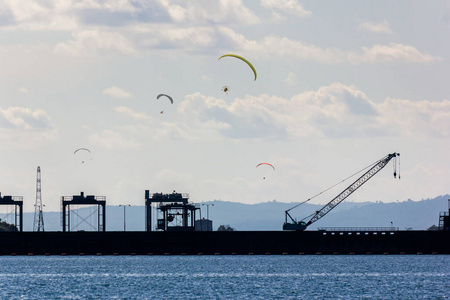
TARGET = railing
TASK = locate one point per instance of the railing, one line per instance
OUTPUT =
(358, 229)
(169, 196)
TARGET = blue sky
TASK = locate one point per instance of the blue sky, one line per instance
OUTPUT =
(340, 85)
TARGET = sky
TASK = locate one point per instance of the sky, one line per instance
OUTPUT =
(339, 86)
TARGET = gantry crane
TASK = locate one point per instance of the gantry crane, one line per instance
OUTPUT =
(374, 169)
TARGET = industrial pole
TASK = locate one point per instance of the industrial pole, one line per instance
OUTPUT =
(124, 219)
(38, 215)
(207, 209)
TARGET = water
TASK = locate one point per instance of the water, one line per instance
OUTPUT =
(225, 277)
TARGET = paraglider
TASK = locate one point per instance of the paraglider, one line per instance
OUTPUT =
(84, 153)
(261, 164)
(243, 59)
(170, 98)
(80, 149)
(265, 164)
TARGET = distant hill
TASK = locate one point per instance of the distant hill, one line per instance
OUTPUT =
(417, 215)
(270, 215)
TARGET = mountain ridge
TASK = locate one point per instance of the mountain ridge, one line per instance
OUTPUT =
(417, 215)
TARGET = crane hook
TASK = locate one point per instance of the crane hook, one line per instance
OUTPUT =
(395, 166)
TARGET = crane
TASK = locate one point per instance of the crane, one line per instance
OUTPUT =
(374, 169)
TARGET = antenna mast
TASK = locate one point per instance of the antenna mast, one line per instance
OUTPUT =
(38, 216)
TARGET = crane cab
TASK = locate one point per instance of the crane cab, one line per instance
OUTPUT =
(295, 226)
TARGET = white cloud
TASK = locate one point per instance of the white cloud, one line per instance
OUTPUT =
(393, 52)
(193, 38)
(291, 79)
(22, 118)
(133, 39)
(89, 42)
(382, 27)
(291, 7)
(38, 15)
(127, 27)
(79, 15)
(131, 113)
(334, 111)
(116, 92)
(275, 46)
(210, 12)
(63, 14)
(176, 12)
(25, 128)
(111, 5)
(419, 119)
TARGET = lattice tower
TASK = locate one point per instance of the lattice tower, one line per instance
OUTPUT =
(38, 215)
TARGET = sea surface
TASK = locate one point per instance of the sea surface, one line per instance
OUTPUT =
(226, 277)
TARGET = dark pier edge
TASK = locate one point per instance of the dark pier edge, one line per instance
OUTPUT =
(224, 243)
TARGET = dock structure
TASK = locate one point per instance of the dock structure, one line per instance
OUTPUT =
(225, 243)
(17, 202)
(444, 219)
(99, 201)
(175, 213)
(175, 234)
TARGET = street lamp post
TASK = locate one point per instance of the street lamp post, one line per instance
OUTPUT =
(124, 219)
(207, 209)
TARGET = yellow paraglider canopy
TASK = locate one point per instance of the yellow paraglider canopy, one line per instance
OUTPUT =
(243, 59)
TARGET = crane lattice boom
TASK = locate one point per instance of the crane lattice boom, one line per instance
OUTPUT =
(353, 187)
(342, 196)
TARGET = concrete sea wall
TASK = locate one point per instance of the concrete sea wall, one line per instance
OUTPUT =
(224, 243)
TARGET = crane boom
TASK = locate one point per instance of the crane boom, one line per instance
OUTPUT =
(341, 197)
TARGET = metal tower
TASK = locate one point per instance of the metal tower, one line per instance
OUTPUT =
(38, 216)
